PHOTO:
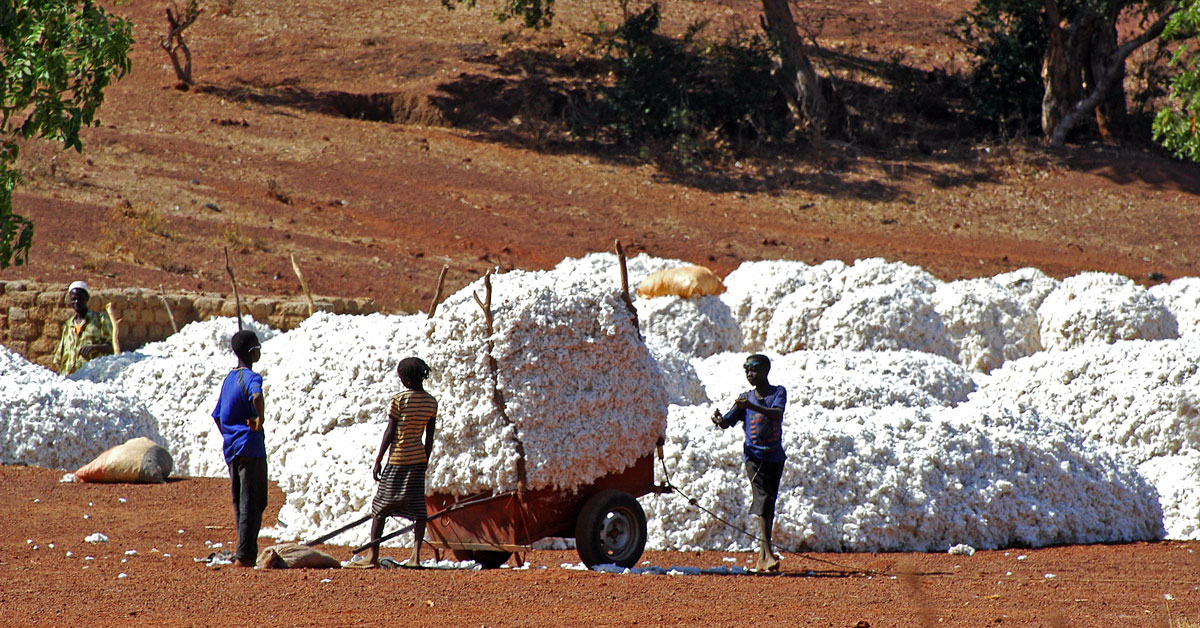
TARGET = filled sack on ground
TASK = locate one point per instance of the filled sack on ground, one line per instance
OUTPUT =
(136, 460)
(685, 281)
(295, 556)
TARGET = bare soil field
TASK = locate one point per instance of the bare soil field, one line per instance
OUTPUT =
(377, 142)
(170, 525)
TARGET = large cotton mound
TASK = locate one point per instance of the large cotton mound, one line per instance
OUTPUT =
(754, 289)
(581, 390)
(1177, 479)
(845, 379)
(986, 322)
(872, 305)
(679, 375)
(1101, 307)
(696, 327)
(1029, 284)
(177, 378)
(49, 421)
(1182, 298)
(905, 479)
(1137, 398)
(796, 318)
(883, 318)
(332, 370)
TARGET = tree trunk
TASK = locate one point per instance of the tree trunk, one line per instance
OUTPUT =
(798, 79)
(1111, 112)
(1096, 64)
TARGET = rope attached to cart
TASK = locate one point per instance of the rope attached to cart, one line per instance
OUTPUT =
(694, 502)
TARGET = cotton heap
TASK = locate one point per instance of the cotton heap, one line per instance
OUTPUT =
(1182, 297)
(872, 305)
(50, 421)
(1137, 398)
(906, 479)
(175, 379)
(581, 393)
(1101, 307)
(987, 322)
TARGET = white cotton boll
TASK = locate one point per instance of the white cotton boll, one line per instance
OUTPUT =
(879, 318)
(696, 327)
(754, 289)
(1030, 285)
(1102, 308)
(986, 322)
(1182, 298)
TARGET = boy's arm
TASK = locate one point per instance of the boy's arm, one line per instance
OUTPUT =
(388, 434)
(731, 418)
(429, 429)
(256, 400)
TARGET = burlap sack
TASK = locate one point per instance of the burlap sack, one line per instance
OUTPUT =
(136, 460)
(295, 556)
(685, 281)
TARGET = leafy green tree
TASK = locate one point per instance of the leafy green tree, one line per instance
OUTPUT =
(1177, 126)
(56, 58)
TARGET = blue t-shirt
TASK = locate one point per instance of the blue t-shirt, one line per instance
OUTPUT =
(234, 410)
(764, 437)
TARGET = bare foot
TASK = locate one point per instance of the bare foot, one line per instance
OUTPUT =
(767, 565)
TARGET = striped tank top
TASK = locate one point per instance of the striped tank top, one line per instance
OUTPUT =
(412, 410)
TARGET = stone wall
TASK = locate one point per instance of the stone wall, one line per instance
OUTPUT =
(32, 314)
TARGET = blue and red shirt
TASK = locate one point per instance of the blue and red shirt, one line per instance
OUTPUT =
(234, 410)
(764, 437)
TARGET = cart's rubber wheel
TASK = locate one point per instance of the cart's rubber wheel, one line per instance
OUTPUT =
(611, 529)
(488, 559)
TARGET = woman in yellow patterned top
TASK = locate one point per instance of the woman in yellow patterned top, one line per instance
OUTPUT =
(401, 490)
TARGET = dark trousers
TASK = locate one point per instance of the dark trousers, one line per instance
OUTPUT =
(764, 486)
(249, 479)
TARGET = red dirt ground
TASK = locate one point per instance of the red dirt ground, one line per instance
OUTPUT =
(1141, 584)
(375, 209)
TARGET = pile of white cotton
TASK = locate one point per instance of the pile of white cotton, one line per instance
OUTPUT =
(50, 421)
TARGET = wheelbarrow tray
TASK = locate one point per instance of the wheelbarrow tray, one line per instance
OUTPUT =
(508, 523)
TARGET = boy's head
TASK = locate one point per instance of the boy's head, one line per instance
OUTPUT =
(412, 372)
(757, 367)
(244, 344)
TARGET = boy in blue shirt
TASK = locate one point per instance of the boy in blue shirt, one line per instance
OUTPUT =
(239, 415)
(761, 413)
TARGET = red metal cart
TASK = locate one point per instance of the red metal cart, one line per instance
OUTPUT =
(604, 517)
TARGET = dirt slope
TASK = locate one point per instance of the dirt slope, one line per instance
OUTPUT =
(260, 158)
